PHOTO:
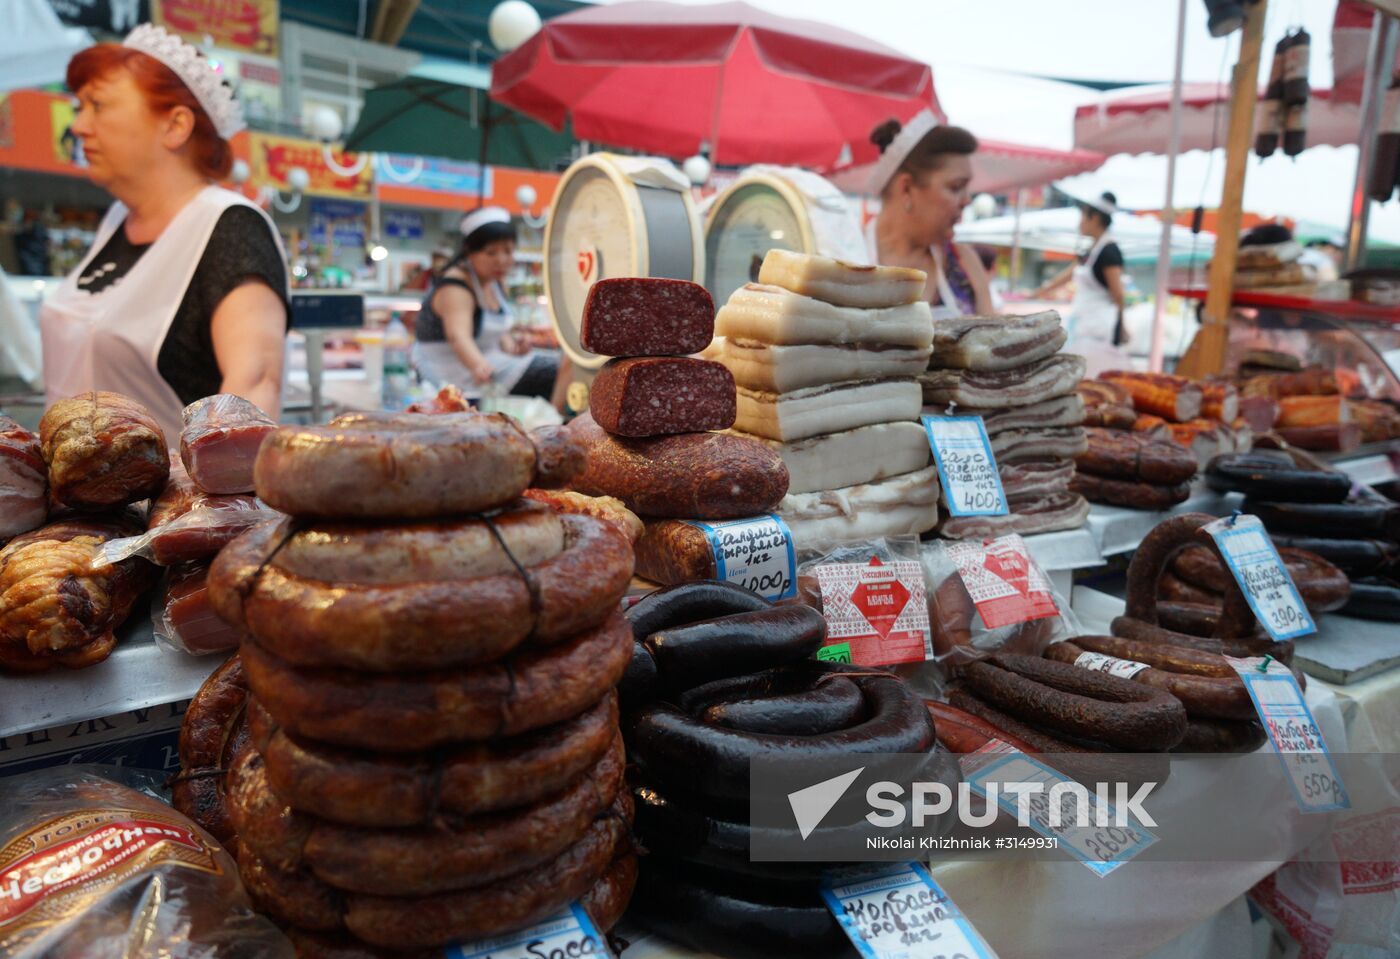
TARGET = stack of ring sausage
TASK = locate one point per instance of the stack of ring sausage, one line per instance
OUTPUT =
(418, 743)
(719, 677)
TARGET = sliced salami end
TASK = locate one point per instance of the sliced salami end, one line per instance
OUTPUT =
(645, 316)
(660, 395)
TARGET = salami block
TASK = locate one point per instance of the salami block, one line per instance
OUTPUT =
(841, 283)
(701, 475)
(826, 409)
(866, 454)
(220, 442)
(659, 395)
(771, 314)
(646, 316)
(896, 506)
(782, 369)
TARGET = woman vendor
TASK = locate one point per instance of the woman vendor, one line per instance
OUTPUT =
(464, 331)
(923, 178)
(1095, 320)
(184, 292)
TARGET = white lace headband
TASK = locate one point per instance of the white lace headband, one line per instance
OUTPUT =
(899, 149)
(204, 79)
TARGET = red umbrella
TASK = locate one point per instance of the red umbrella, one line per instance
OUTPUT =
(669, 78)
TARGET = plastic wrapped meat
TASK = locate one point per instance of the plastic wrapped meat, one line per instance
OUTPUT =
(183, 618)
(220, 442)
(24, 480)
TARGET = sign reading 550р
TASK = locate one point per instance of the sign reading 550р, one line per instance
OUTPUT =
(966, 467)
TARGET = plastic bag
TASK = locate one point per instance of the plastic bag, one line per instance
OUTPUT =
(211, 524)
(182, 618)
(989, 597)
(93, 869)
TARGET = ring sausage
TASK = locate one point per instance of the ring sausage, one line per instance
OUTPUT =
(1193, 619)
(1221, 736)
(407, 712)
(1242, 647)
(432, 624)
(1204, 682)
(1173, 588)
(1274, 476)
(1358, 557)
(739, 643)
(1078, 702)
(1159, 547)
(792, 701)
(1037, 739)
(962, 732)
(364, 789)
(408, 466)
(672, 744)
(213, 733)
(691, 603)
(1322, 586)
(1359, 520)
(1374, 599)
(292, 897)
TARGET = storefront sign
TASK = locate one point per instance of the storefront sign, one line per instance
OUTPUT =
(463, 179)
(340, 222)
(402, 224)
(249, 25)
(114, 16)
(274, 157)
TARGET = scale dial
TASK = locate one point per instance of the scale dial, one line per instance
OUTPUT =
(751, 218)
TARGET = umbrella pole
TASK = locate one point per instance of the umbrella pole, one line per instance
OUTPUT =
(1206, 355)
(1164, 248)
(1016, 237)
(1379, 57)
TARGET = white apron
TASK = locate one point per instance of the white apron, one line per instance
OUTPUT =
(948, 307)
(439, 364)
(1093, 316)
(111, 340)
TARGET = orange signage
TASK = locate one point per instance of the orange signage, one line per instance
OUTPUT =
(273, 158)
(247, 25)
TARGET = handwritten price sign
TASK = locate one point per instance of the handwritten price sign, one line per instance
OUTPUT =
(754, 553)
(570, 933)
(966, 466)
(1256, 566)
(901, 913)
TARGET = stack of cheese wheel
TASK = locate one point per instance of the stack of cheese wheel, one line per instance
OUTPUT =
(430, 664)
(652, 431)
(825, 355)
(1009, 371)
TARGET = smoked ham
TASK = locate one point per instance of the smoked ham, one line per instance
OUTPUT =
(24, 481)
(1136, 457)
(1173, 398)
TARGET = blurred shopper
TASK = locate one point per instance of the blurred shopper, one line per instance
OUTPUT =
(184, 292)
(1095, 320)
(465, 334)
(922, 178)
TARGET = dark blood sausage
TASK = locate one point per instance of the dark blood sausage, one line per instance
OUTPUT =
(672, 744)
(1206, 683)
(220, 442)
(408, 466)
(705, 475)
(407, 712)
(213, 733)
(1359, 520)
(1322, 586)
(711, 913)
(645, 316)
(963, 732)
(1156, 552)
(1080, 703)
(366, 789)
(690, 603)
(1221, 736)
(1358, 557)
(659, 395)
(436, 622)
(1374, 599)
(1132, 494)
(794, 700)
(1274, 476)
(739, 643)
(103, 450)
(1122, 455)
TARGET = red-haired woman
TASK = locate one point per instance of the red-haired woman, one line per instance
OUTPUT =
(184, 292)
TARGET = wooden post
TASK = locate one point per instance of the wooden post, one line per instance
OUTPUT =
(1207, 353)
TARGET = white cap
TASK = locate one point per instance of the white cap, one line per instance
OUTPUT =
(196, 71)
(481, 216)
(1103, 205)
(899, 149)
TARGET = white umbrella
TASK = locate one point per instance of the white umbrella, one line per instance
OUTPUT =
(1057, 231)
(35, 46)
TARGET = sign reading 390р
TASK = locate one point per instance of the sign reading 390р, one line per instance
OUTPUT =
(1257, 568)
(966, 467)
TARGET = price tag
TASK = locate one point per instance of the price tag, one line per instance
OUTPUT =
(1107, 842)
(878, 611)
(1294, 732)
(566, 934)
(966, 466)
(900, 913)
(1110, 664)
(1005, 584)
(1256, 566)
(755, 553)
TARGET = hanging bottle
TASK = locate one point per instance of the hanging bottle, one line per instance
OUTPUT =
(1268, 114)
(1381, 182)
(1296, 61)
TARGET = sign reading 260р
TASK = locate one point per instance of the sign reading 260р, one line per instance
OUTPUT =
(966, 466)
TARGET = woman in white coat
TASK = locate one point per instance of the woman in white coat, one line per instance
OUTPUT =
(184, 292)
(1095, 316)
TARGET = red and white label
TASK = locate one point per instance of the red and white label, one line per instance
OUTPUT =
(879, 609)
(105, 853)
(1110, 664)
(1005, 584)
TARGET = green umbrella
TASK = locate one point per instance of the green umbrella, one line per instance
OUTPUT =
(427, 117)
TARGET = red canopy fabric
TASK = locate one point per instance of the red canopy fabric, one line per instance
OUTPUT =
(755, 87)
